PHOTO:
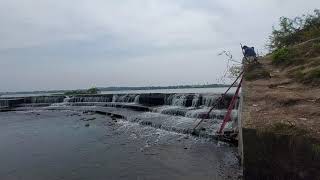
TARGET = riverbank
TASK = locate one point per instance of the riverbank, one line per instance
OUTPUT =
(280, 116)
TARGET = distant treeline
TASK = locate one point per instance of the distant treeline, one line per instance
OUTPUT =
(161, 87)
(120, 89)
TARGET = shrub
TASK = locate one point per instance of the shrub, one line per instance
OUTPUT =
(296, 30)
(282, 55)
(93, 90)
(77, 92)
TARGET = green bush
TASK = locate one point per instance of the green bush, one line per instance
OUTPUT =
(282, 56)
(93, 90)
(77, 92)
(294, 31)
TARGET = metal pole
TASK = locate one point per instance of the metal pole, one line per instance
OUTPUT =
(218, 100)
(228, 115)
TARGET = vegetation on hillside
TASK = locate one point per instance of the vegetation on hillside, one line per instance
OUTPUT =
(296, 45)
(296, 30)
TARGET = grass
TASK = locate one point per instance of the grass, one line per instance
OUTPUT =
(312, 76)
(316, 45)
(303, 59)
(282, 56)
(255, 71)
(306, 74)
(288, 129)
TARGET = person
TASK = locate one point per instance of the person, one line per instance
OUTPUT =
(249, 54)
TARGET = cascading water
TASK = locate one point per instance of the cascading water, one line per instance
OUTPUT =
(67, 99)
(127, 98)
(89, 99)
(196, 100)
(187, 105)
(4, 103)
(47, 99)
(209, 100)
(198, 106)
(176, 100)
(136, 99)
(64, 103)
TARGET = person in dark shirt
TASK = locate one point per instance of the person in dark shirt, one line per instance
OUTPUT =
(249, 54)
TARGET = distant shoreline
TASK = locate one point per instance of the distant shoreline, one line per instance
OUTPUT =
(123, 89)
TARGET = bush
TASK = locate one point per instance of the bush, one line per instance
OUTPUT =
(77, 92)
(93, 90)
(282, 55)
(294, 31)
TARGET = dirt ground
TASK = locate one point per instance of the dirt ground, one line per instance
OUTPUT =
(281, 104)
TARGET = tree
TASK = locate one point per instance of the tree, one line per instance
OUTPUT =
(93, 90)
(296, 30)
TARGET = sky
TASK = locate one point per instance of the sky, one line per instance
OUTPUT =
(58, 44)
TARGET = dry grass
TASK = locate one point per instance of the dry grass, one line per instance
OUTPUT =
(286, 103)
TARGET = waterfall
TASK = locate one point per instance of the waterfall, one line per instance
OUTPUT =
(4, 103)
(89, 99)
(196, 100)
(136, 99)
(47, 99)
(67, 99)
(209, 100)
(126, 98)
(176, 100)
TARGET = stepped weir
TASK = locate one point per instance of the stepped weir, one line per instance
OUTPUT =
(176, 111)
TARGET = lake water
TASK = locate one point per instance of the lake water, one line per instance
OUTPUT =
(55, 145)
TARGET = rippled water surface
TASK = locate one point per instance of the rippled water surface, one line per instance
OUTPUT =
(72, 145)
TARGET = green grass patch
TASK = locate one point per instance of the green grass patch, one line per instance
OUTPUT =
(288, 129)
(312, 76)
(283, 56)
(316, 46)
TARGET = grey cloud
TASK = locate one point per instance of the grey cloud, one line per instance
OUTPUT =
(52, 44)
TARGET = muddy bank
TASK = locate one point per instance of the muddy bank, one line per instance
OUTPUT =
(274, 156)
(280, 124)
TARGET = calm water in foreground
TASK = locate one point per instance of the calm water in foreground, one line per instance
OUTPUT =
(64, 145)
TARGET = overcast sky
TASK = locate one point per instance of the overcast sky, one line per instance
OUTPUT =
(69, 44)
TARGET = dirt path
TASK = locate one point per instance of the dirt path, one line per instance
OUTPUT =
(281, 101)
